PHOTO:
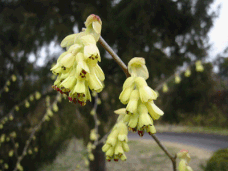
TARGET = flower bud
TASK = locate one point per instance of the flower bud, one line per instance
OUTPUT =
(11, 153)
(187, 73)
(37, 95)
(177, 79)
(165, 88)
(31, 98)
(27, 104)
(91, 156)
(8, 83)
(14, 78)
(16, 108)
(137, 68)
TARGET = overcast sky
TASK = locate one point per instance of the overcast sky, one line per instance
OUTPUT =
(218, 35)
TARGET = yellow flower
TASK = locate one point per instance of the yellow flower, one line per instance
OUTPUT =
(91, 156)
(145, 92)
(187, 73)
(165, 88)
(154, 111)
(16, 108)
(144, 119)
(37, 95)
(11, 153)
(133, 120)
(199, 66)
(77, 69)
(68, 40)
(125, 94)
(177, 79)
(55, 107)
(93, 135)
(133, 102)
(14, 78)
(184, 160)
(8, 83)
(137, 68)
(27, 104)
(116, 143)
(95, 22)
(31, 98)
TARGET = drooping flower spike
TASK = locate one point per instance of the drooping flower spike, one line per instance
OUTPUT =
(116, 143)
(185, 158)
(77, 69)
(139, 98)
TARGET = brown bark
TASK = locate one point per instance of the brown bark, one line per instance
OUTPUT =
(99, 159)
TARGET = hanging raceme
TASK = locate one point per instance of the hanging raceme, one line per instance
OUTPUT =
(185, 158)
(139, 97)
(77, 69)
(116, 143)
(138, 114)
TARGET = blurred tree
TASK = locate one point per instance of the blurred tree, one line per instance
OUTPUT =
(167, 33)
(191, 96)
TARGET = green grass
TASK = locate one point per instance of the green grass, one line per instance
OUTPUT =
(191, 129)
(143, 155)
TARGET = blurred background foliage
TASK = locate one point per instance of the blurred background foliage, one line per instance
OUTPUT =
(167, 33)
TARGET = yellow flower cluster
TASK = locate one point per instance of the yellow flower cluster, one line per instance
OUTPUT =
(139, 98)
(77, 69)
(116, 143)
(185, 158)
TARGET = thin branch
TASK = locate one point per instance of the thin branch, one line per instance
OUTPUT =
(19, 159)
(15, 148)
(11, 112)
(114, 56)
(95, 117)
(173, 159)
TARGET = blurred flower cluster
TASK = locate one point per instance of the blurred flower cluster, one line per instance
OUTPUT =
(185, 158)
(77, 69)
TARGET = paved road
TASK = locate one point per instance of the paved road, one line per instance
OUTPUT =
(206, 141)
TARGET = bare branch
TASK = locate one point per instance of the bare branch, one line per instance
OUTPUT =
(114, 56)
(19, 159)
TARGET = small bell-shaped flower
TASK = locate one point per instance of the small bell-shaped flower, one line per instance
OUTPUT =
(165, 88)
(177, 78)
(137, 68)
(145, 92)
(187, 73)
(199, 66)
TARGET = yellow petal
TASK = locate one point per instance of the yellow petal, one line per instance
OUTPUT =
(68, 40)
(97, 27)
